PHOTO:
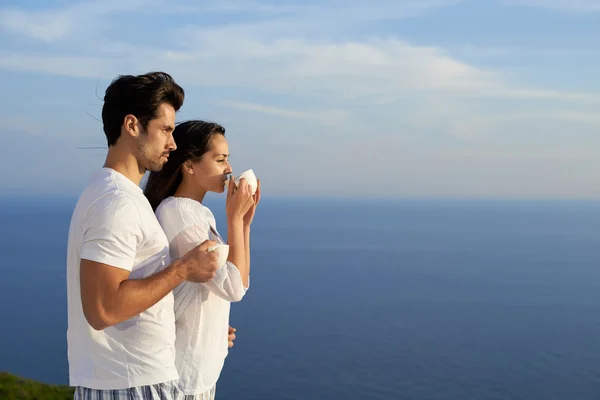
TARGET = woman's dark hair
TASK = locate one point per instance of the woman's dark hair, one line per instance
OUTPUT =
(193, 140)
(140, 95)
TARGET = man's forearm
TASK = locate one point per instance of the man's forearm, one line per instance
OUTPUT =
(134, 296)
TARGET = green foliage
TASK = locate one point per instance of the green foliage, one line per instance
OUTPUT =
(15, 388)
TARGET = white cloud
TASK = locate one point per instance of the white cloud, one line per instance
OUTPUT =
(301, 48)
(73, 66)
(514, 52)
(297, 54)
(50, 25)
(46, 26)
(275, 53)
(565, 5)
(87, 16)
(391, 106)
(323, 117)
(369, 72)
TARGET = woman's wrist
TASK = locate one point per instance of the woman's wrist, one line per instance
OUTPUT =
(235, 221)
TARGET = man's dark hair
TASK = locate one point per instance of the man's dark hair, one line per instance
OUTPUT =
(140, 95)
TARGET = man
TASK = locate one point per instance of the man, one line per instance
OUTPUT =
(119, 276)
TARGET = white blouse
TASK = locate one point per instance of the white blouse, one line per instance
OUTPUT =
(201, 309)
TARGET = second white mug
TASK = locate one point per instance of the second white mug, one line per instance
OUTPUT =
(223, 250)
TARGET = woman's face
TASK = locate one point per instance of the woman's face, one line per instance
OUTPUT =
(211, 171)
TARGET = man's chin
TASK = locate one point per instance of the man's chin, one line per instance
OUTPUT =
(155, 167)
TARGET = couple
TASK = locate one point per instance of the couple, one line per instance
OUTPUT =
(148, 304)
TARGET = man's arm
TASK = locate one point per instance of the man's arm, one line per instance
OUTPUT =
(112, 231)
(108, 297)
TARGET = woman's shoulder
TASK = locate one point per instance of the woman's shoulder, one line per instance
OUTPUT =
(180, 204)
(181, 212)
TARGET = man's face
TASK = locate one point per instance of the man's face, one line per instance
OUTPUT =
(155, 144)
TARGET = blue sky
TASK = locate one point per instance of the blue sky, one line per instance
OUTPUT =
(392, 98)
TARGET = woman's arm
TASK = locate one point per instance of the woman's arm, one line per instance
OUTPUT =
(238, 202)
(238, 250)
(227, 282)
(248, 218)
(247, 246)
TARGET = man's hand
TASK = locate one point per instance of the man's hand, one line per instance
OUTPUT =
(231, 336)
(199, 264)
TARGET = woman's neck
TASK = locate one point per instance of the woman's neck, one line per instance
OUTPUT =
(189, 191)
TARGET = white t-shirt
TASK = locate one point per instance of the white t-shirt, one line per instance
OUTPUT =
(113, 223)
(201, 309)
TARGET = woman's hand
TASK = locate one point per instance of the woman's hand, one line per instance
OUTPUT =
(231, 336)
(249, 216)
(239, 200)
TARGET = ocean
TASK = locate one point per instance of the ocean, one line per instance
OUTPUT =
(363, 299)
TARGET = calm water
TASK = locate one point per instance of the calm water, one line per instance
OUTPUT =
(364, 300)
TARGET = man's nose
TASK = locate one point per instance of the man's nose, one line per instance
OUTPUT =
(172, 144)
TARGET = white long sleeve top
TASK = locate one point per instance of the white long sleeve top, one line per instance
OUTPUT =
(201, 309)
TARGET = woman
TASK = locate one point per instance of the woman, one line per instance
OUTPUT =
(199, 165)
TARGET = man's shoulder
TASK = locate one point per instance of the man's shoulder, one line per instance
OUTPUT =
(106, 196)
(108, 204)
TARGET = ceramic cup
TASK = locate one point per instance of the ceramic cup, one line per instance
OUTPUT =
(249, 177)
(223, 251)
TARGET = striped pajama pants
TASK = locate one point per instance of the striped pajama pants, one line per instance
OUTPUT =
(159, 391)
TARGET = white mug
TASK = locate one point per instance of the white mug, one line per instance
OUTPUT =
(250, 180)
(223, 250)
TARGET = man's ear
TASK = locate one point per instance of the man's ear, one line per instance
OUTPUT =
(130, 125)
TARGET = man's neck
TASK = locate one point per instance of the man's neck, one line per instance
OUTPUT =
(125, 164)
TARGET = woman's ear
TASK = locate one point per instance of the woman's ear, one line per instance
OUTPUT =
(188, 168)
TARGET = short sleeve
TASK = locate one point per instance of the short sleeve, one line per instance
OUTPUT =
(112, 232)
